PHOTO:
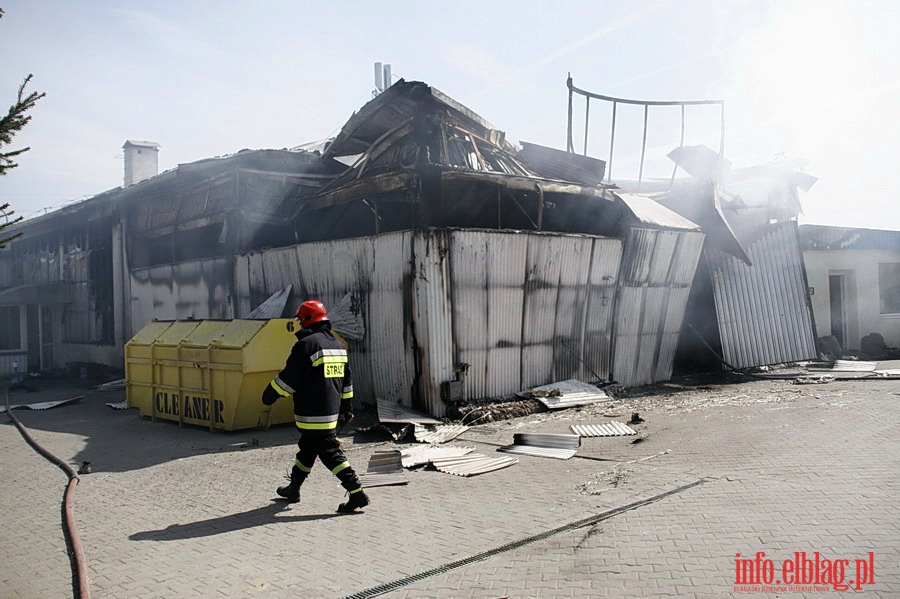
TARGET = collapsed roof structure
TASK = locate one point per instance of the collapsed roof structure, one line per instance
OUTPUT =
(479, 268)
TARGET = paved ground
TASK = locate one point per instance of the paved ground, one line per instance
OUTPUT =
(761, 466)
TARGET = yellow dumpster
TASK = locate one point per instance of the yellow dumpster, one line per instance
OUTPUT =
(209, 373)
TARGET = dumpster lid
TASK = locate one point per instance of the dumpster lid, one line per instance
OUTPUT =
(150, 332)
(205, 333)
(177, 331)
(238, 333)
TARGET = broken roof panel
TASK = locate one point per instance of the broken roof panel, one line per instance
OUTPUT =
(395, 106)
(557, 164)
(647, 211)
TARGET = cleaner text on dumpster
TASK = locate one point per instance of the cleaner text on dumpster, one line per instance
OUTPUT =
(190, 407)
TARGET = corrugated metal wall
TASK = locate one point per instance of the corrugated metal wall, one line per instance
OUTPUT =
(505, 303)
(763, 310)
(529, 307)
(376, 270)
(521, 309)
(654, 282)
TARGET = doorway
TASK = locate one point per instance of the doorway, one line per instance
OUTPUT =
(836, 302)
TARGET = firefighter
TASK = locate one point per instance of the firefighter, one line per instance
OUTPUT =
(317, 376)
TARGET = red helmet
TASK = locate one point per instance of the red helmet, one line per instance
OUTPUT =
(310, 312)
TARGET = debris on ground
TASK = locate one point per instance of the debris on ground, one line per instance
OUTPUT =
(112, 385)
(813, 379)
(491, 411)
(438, 433)
(635, 418)
(565, 394)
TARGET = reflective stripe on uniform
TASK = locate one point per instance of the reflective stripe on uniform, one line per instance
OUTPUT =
(340, 467)
(328, 355)
(316, 426)
(327, 418)
(300, 465)
(316, 423)
(281, 387)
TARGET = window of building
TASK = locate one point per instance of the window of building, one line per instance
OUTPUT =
(10, 328)
(889, 287)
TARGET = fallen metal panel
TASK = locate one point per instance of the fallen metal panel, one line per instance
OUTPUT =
(763, 311)
(541, 452)
(417, 455)
(42, 405)
(853, 366)
(470, 465)
(385, 468)
(565, 394)
(610, 429)
(545, 445)
(556, 440)
(439, 433)
(393, 412)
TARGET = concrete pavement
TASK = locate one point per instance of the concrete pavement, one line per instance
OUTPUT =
(761, 466)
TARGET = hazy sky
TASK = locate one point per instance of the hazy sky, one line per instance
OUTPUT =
(815, 80)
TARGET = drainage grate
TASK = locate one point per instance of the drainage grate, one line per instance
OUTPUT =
(393, 586)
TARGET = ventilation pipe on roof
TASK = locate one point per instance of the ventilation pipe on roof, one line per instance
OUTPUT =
(382, 78)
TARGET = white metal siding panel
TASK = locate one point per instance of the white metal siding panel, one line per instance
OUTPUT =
(656, 274)
(598, 327)
(487, 273)
(763, 310)
(542, 264)
(506, 302)
(574, 269)
(432, 318)
(387, 343)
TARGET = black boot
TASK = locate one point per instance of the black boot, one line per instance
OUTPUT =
(357, 500)
(291, 492)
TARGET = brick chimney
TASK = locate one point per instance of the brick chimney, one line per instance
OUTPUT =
(141, 160)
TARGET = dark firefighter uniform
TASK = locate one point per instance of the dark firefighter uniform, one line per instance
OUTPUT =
(317, 377)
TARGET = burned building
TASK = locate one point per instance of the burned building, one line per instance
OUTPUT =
(479, 268)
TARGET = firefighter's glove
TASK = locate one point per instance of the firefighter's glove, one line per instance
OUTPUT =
(269, 396)
(345, 418)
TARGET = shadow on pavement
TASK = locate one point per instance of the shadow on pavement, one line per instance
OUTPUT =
(119, 440)
(267, 514)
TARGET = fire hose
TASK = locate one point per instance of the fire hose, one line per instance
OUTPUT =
(76, 555)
